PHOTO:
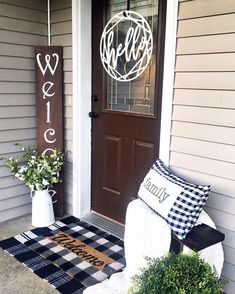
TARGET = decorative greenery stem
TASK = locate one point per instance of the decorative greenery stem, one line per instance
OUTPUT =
(39, 171)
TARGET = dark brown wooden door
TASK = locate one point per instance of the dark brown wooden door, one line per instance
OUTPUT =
(126, 120)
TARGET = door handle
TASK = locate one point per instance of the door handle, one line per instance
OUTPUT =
(93, 114)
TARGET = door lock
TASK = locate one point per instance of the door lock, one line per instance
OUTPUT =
(94, 98)
(93, 114)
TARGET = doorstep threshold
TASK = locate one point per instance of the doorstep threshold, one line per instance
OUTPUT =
(105, 224)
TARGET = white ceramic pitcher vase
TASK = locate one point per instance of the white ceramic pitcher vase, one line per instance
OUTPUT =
(42, 208)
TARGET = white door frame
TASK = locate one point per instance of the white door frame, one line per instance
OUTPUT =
(81, 27)
(168, 79)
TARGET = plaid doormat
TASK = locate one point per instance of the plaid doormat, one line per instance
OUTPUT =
(70, 255)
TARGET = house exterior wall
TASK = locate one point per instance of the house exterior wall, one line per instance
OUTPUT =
(61, 35)
(22, 26)
(203, 120)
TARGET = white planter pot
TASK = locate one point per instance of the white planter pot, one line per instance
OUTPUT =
(42, 208)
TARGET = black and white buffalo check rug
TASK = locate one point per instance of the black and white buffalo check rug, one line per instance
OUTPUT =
(70, 255)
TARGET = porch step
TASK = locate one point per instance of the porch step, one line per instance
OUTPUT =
(105, 224)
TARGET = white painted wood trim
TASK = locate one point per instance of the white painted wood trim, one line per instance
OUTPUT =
(81, 28)
(168, 79)
(49, 22)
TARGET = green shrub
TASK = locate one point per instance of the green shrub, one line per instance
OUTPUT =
(177, 274)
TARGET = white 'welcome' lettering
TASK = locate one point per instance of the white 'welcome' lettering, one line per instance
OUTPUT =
(48, 65)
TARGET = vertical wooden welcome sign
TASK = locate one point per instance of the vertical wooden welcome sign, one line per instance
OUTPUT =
(48, 70)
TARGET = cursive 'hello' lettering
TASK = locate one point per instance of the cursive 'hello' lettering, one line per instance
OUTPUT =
(132, 48)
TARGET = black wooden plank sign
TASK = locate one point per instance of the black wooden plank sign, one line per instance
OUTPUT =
(49, 104)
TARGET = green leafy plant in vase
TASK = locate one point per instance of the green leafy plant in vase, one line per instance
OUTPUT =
(177, 274)
(40, 172)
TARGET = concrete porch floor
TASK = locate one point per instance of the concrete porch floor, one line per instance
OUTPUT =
(14, 276)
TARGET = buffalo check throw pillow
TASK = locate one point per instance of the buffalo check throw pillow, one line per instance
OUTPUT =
(177, 201)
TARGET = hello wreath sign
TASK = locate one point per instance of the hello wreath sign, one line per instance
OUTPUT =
(126, 46)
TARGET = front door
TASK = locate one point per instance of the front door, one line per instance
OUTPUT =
(125, 115)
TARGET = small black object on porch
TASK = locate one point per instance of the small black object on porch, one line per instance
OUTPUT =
(200, 237)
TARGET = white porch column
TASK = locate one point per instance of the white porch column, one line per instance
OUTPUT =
(168, 79)
(81, 28)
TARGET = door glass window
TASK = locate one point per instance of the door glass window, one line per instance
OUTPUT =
(136, 96)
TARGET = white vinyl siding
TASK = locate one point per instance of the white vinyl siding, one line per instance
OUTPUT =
(61, 35)
(22, 26)
(203, 118)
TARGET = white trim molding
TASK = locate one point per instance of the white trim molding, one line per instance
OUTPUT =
(81, 28)
(168, 79)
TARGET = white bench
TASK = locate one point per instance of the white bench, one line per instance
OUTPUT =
(146, 234)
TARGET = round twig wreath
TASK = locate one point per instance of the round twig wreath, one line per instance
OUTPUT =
(126, 46)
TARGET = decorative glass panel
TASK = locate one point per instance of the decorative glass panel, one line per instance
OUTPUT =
(136, 96)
